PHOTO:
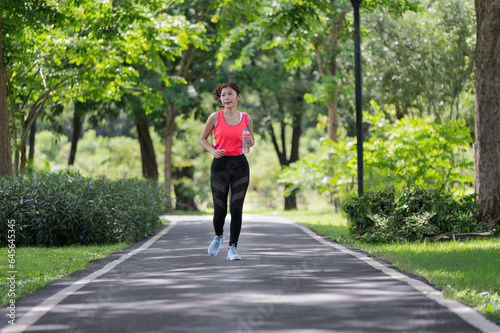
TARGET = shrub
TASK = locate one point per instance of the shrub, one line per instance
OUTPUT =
(62, 209)
(433, 155)
(411, 214)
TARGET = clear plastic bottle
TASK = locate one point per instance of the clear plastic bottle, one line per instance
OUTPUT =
(244, 143)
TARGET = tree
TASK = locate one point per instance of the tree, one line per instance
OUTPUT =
(310, 33)
(421, 63)
(185, 151)
(189, 69)
(17, 18)
(281, 107)
(78, 118)
(304, 30)
(157, 38)
(77, 52)
(6, 152)
(142, 122)
(487, 114)
(48, 68)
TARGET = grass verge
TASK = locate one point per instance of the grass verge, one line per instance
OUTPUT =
(466, 271)
(323, 221)
(38, 266)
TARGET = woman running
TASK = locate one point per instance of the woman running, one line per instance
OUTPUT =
(230, 168)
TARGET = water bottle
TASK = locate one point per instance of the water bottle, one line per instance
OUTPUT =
(244, 143)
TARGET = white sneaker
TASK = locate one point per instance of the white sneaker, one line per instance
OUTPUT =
(232, 254)
(213, 249)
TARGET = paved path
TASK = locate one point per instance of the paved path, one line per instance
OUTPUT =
(290, 280)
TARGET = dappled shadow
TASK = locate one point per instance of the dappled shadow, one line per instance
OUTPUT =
(286, 282)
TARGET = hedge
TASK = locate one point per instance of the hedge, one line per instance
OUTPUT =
(62, 209)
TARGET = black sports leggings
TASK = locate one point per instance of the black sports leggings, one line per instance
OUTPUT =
(229, 172)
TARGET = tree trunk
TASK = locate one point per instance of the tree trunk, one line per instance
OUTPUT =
(291, 200)
(26, 125)
(170, 114)
(5, 149)
(333, 126)
(148, 156)
(184, 197)
(77, 132)
(333, 121)
(16, 162)
(24, 160)
(296, 133)
(399, 112)
(31, 153)
(331, 70)
(487, 114)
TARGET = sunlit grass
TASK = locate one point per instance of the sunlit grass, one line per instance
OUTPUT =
(324, 221)
(38, 266)
(467, 271)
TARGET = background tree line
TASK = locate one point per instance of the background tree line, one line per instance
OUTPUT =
(146, 69)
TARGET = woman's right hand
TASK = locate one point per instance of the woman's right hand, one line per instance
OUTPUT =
(219, 153)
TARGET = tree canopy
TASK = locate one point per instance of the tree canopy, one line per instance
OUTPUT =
(158, 60)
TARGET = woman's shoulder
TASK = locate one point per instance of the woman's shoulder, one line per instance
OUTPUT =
(212, 119)
(214, 115)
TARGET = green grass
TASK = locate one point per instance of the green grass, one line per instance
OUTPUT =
(324, 221)
(467, 271)
(38, 266)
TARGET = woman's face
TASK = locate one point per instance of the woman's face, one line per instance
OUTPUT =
(229, 97)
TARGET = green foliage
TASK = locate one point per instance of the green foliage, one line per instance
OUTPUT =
(90, 51)
(432, 155)
(422, 63)
(333, 169)
(111, 157)
(64, 208)
(97, 48)
(188, 153)
(292, 26)
(411, 214)
(397, 7)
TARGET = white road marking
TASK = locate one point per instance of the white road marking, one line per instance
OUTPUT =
(465, 312)
(38, 311)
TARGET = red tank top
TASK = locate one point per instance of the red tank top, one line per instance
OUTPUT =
(228, 137)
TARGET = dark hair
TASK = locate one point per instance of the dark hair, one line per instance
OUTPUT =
(221, 86)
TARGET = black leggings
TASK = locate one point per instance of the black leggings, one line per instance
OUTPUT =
(234, 172)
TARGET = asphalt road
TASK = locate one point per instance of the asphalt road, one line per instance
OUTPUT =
(289, 280)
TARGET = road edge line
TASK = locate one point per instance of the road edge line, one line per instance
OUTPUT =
(41, 309)
(465, 312)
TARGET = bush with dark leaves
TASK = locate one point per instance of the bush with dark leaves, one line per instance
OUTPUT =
(411, 214)
(62, 209)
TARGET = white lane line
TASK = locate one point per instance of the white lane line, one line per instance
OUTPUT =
(463, 311)
(38, 311)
